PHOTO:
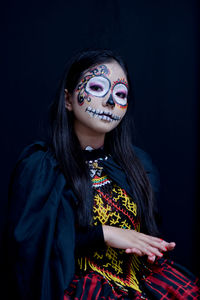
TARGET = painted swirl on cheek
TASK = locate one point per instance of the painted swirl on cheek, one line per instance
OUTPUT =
(81, 89)
(82, 95)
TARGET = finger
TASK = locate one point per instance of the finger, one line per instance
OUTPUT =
(159, 245)
(151, 238)
(155, 243)
(155, 251)
(134, 251)
(151, 259)
(128, 250)
(171, 246)
(147, 252)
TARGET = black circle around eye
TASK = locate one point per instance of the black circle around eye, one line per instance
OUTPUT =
(120, 93)
(98, 86)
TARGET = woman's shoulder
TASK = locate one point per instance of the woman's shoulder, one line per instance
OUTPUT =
(36, 152)
(35, 174)
(35, 162)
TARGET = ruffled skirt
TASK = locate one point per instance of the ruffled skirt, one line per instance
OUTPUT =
(167, 280)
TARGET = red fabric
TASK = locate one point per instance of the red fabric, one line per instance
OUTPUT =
(166, 281)
(93, 287)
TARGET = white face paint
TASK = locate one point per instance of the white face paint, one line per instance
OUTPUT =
(98, 86)
(120, 93)
(93, 112)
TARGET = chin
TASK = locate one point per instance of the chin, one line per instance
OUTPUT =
(104, 128)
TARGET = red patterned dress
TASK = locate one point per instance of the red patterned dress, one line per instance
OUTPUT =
(110, 273)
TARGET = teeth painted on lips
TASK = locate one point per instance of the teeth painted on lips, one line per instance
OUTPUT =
(103, 115)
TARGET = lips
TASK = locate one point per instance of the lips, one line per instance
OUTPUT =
(101, 114)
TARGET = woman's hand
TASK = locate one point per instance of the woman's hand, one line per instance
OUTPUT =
(136, 242)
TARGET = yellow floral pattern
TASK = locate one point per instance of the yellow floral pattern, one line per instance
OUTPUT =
(114, 207)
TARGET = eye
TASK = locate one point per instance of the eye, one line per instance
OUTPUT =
(96, 88)
(121, 95)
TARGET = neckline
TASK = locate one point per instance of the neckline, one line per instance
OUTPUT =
(94, 154)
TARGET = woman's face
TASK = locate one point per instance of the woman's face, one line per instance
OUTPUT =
(99, 101)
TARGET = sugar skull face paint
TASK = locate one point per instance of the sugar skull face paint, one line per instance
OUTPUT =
(97, 84)
(99, 102)
(94, 83)
(120, 93)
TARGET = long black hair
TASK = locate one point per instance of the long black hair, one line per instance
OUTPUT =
(118, 143)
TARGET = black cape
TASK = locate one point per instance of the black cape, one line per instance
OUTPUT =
(41, 232)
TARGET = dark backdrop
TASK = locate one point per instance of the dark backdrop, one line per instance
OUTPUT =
(158, 39)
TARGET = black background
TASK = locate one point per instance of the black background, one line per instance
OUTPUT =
(159, 41)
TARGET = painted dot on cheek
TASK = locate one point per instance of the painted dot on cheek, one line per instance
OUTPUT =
(88, 99)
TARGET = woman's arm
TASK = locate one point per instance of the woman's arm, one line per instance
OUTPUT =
(40, 245)
(96, 237)
(136, 242)
(89, 238)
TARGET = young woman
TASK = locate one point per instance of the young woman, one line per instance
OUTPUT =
(82, 217)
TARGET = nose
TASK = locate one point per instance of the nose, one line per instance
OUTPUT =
(110, 101)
